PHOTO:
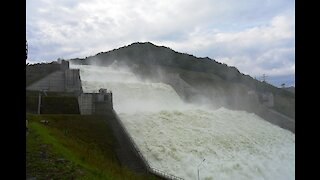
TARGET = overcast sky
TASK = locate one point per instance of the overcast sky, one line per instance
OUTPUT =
(255, 36)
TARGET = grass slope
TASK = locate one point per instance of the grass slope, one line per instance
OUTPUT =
(73, 147)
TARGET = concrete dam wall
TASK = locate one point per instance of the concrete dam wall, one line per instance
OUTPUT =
(63, 80)
(129, 153)
(277, 118)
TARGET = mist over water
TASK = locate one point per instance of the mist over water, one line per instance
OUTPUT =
(175, 137)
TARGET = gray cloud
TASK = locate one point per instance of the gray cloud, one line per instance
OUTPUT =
(255, 36)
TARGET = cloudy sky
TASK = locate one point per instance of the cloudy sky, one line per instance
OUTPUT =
(257, 37)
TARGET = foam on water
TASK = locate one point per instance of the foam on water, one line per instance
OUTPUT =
(176, 137)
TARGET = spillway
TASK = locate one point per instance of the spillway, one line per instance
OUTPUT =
(175, 137)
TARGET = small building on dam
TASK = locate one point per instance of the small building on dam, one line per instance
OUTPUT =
(66, 80)
(95, 103)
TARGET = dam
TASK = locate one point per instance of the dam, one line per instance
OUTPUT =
(175, 137)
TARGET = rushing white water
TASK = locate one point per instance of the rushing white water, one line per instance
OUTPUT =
(176, 137)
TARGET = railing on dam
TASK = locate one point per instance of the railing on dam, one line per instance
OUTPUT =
(138, 152)
(163, 174)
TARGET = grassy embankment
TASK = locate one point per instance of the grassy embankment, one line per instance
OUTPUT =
(73, 147)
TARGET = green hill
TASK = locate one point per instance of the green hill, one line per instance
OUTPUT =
(150, 54)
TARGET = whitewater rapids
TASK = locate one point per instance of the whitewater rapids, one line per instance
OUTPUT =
(175, 137)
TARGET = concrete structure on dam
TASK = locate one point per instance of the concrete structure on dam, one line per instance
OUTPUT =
(95, 103)
(66, 80)
(63, 80)
(263, 108)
